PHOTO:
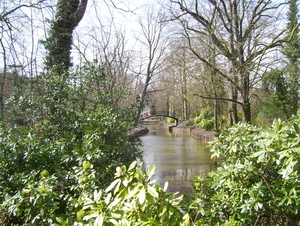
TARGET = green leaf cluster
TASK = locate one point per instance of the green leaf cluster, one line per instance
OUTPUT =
(42, 201)
(257, 179)
(132, 199)
(170, 120)
(205, 119)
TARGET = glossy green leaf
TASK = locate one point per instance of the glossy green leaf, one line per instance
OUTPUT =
(142, 195)
(99, 221)
(152, 191)
(112, 185)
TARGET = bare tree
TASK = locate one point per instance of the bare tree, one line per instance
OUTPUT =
(242, 32)
(15, 16)
(154, 44)
(105, 44)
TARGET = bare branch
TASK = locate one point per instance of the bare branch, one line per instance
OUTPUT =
(19, 7)
(218, 98)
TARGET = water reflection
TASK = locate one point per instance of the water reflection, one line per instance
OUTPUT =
(178, 158)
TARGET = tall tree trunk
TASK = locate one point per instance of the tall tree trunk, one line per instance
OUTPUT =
(59, 44)
(293, 53)
(143, 96)
(216, 121)
(2, 83)
(233, 104)
(247, 111)
(184, 89)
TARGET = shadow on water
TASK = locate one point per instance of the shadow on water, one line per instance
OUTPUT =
(178, 158)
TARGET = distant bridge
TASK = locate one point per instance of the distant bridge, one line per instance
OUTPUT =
(162, 114)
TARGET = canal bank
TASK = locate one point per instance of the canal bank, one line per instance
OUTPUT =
(138, 131)
(192, 131)
(195, 132)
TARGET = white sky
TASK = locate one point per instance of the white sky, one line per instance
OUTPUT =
(26, 36)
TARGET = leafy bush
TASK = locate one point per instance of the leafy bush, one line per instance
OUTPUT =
(205, 120)
(170, 120)
(207, 124)
(257, 180)
(131, 199)
(190, 122)
(42, 201)
(69, 120)
(100, 137)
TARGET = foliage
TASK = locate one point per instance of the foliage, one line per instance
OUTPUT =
(205, 119)
(170, 120)
(283, 102)
(190, 122)
(278, 104)
(131, 199)
(84, 124)
(257, 180)
(59, 43)
(41, 202)
(292, 52)
(207, 124)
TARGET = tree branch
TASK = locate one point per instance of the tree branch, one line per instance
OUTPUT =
(218, 98)
(78, 15)
(19, 7)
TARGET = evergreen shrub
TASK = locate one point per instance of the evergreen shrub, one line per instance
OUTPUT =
(256, 181)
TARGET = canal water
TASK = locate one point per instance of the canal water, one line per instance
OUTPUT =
(178, 158)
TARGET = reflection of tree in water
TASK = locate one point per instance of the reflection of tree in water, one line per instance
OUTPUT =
(181, 179)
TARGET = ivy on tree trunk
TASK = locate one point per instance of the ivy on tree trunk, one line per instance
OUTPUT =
(292, 51)
(59, 43)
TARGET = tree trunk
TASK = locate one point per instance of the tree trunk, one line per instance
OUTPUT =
(184, 92)
(233, 104)
(245, 93)
(247, 111)
(292, 52)
(2, 84)
(59, 44)
(216, 123)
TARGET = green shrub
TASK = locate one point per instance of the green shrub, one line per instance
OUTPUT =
(84, 124)
(170, 120)
(205, 120)
(42, 201)
(190, 122)
(99, 137)
(207, 124)
(257, 179)
(131, 199)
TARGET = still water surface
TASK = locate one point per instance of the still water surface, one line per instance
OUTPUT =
(178, 158)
